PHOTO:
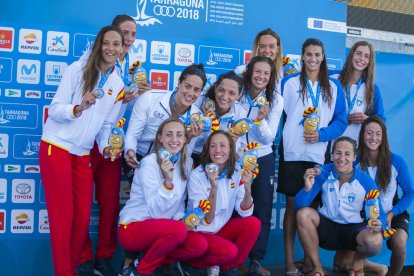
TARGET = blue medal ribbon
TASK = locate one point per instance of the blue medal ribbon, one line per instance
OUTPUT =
(186, 119)
(350, 102)
(314, 98)
(104, 77)
(125, 73)
(223, 174)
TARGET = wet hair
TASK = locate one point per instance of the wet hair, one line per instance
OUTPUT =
(279, 58)
(231, 163)
(368, 74)
(194, 70)
(384, 154)
(211, 92)
(323, 76)
(93, 65)
(271, 86)
(183, 151)
(345, 139)
(121, 18)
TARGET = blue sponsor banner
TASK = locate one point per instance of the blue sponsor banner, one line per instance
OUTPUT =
(334, 63)
(219, 57)
(14, 115)
(6, 67)
(26, 146)
(82, 43)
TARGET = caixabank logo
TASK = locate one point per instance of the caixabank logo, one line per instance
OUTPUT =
(28, 71)
(26, 146)
(21, 221)
(57, 43)
(14, 115)
(23, 191)
(6, 39)
(30, 41)
(43, 222)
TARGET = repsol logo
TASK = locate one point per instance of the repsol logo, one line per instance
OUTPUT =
(27, 227)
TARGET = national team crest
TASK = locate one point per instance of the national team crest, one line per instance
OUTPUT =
(351, 197)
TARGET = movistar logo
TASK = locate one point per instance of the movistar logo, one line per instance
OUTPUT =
(28, 71)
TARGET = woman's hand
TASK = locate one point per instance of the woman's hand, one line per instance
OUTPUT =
(311, 137)
(374, 225)
(167, 169)
(131, 159)
(247, 178)
(195, 131)
(87, 100)
(143, 87)
(212, 177)
(263, 111)
(233, 135)
(129, 95)
(357, 117)
(309, 179)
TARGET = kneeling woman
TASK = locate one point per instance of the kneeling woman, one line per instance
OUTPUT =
(337, 225)
(229, 188)
(149, 221)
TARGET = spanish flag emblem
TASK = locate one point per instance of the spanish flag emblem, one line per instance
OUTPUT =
(232, 185)
(120, 96)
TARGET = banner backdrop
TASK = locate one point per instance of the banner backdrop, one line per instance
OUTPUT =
(38, 39)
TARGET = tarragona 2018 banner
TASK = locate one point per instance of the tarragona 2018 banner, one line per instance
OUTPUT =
(39, 39)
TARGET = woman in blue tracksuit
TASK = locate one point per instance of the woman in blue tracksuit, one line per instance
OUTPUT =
(338, 224)
(363, 97)
(263, 104)
(390, 172)
(302, 149)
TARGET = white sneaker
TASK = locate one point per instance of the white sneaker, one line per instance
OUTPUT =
(213, 271)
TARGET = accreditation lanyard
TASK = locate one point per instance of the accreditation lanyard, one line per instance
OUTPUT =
(350, 102)
(124, 72)
(223, 174)
(104, 77)
(186, 119)
(251, 102)
(314, 98)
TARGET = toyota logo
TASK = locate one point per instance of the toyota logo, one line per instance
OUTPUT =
(184, 52)
(23, 188)
(164, 10)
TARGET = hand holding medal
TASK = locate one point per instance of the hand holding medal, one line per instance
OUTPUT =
(212, 171)
(264, 107)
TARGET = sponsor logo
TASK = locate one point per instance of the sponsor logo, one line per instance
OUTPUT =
(353, 31)
(14, 93)
(326, 25)
(31, 168)
(6, 68)
(159, 9)
(211, 79)
(82, 43)
(6, 39)
(334, 64)
(43, 222)
(28, 71)
(54, 72)
(14, 115)
(45, 114)
(184, 54)
(219, 57)
(22, 221)
(32, 94)
(49, 94)
(247, 56)
(30, 41)
(4, 145)
(160, 79)
(57, 43)
(159, 115)
(26, 146)
(160, 52)
(3, 190)
(23, 190)
(2, 221)
(139, 50)
(12, 168)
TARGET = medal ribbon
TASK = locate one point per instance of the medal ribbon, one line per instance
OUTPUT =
(104, 77)
(186, 119)
(253, 103)
(314, 98)
(348, 95)
(124, 72)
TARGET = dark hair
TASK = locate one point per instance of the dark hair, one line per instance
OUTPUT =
(183, 152)
(121, 18)
(384, 154)
(271, 86)
(211, 94)
(368, 74)
(93, 65)
(345, 139)
(194, 69)
(205, 154)
(279, 58)
(323, 76)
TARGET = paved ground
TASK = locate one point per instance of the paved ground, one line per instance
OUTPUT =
(280, 271)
